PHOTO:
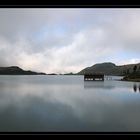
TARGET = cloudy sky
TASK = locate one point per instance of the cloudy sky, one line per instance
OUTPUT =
(70, 39)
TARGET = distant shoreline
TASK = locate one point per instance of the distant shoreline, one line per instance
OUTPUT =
(125, 80)
(131, 80)
(14, 70)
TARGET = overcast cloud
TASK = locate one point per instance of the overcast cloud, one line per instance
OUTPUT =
(68, 40)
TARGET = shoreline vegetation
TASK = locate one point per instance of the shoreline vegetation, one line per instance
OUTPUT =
(131, 80)
(133, 77)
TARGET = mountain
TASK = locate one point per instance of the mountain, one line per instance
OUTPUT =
(109, 68)
(14, 70)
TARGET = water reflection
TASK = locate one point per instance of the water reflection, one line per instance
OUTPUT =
(98, 84)
(61, 104)
(136, 87)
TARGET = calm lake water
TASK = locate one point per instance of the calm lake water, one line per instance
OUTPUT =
(67, 103)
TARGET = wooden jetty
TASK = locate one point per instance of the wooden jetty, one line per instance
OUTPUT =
(93, 77)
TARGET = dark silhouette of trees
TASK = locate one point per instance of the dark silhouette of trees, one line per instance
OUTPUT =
(135, 68)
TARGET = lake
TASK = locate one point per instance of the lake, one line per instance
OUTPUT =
(68, 104)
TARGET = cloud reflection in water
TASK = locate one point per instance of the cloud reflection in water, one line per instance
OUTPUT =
(66, 105)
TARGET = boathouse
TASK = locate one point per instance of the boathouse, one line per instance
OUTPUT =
(93, 77)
